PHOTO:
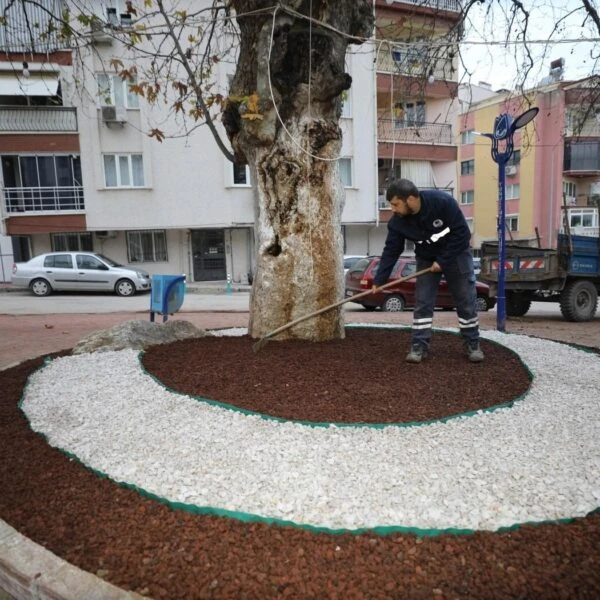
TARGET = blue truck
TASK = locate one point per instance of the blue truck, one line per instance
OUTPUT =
(569, 274)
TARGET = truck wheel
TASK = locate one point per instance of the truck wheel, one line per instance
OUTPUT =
(578, 301)
(517, 305)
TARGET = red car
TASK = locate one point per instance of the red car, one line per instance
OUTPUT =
(359, 278)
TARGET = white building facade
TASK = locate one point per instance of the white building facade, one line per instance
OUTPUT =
(79, 170)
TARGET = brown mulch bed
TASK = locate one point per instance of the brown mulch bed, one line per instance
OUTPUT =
(142, 545)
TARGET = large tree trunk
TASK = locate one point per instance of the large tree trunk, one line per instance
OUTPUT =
(283, 119)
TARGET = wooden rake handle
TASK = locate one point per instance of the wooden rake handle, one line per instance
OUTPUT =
(336, 304)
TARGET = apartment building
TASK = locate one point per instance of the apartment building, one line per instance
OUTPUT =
(553, 178)
(417, 89)
(79, 170)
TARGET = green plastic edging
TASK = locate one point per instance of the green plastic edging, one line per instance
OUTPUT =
(244, 411)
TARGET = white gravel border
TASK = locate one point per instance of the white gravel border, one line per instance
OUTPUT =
(536, 461)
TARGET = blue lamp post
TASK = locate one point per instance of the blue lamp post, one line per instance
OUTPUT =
(502, 149)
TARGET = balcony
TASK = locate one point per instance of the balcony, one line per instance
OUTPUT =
(394, 130)
(43, 199)
(412, 62)
(38, 119)
(581, 159)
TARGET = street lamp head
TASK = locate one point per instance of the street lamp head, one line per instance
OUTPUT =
(525, 118)
(502, 126)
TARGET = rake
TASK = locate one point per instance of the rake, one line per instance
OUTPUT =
(263, 340)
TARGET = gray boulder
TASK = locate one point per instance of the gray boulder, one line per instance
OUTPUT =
(137, 335)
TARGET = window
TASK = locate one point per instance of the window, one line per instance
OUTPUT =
(114, 91)
(515, 159)
(346, 104)
(409, 269)
(512, 191)
(89, 262)
(346, 171)
(51, 170)
(585, 217)
(512, 222)
(58, 261)
(467, 137)
(241, 174)
(123, 170)
(470, 224)
(411, 58)
(467, 167)
(147, 246)
(467, 197)
(72, 242)
(409, 114)
(570, 192)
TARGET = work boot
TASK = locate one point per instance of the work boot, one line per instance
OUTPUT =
(417, 353)
(474, 353)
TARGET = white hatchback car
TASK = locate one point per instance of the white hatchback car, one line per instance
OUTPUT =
(78, 271)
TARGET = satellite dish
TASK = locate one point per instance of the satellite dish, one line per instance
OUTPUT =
(525, 118)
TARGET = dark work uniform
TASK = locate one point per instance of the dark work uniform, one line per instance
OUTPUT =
(439, 214)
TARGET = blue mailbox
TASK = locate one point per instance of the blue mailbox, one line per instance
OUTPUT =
(166, 296)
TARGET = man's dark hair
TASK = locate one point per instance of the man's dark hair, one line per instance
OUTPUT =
(403, 188)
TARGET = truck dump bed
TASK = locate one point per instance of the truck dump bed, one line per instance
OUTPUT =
(527, 267)
(524, 266)
(582, 252)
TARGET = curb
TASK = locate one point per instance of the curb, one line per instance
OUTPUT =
(29, 571)
(189, 289)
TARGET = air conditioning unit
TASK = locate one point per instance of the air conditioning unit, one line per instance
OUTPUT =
(114, 114)
(106, 235)
(511, 170)
(99, 34)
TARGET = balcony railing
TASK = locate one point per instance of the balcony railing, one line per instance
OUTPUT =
(452, 5)
(38, 199)
(395, 130)
(32, 26)
(589, 231)
(38, 118)
(414, 62)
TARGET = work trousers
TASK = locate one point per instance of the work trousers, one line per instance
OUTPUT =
(461, 282)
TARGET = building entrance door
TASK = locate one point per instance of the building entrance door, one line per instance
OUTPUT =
(208, 249)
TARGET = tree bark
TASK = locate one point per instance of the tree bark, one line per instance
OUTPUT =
(283, 120)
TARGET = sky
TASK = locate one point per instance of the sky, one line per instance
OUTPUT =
(498, 64)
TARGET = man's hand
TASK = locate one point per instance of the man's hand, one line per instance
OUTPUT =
(435, 268)
(374, 288)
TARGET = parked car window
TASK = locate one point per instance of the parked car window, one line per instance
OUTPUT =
(59, 261)
(88, 262)
(409, 269)
(350, 260)
(360, 265)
